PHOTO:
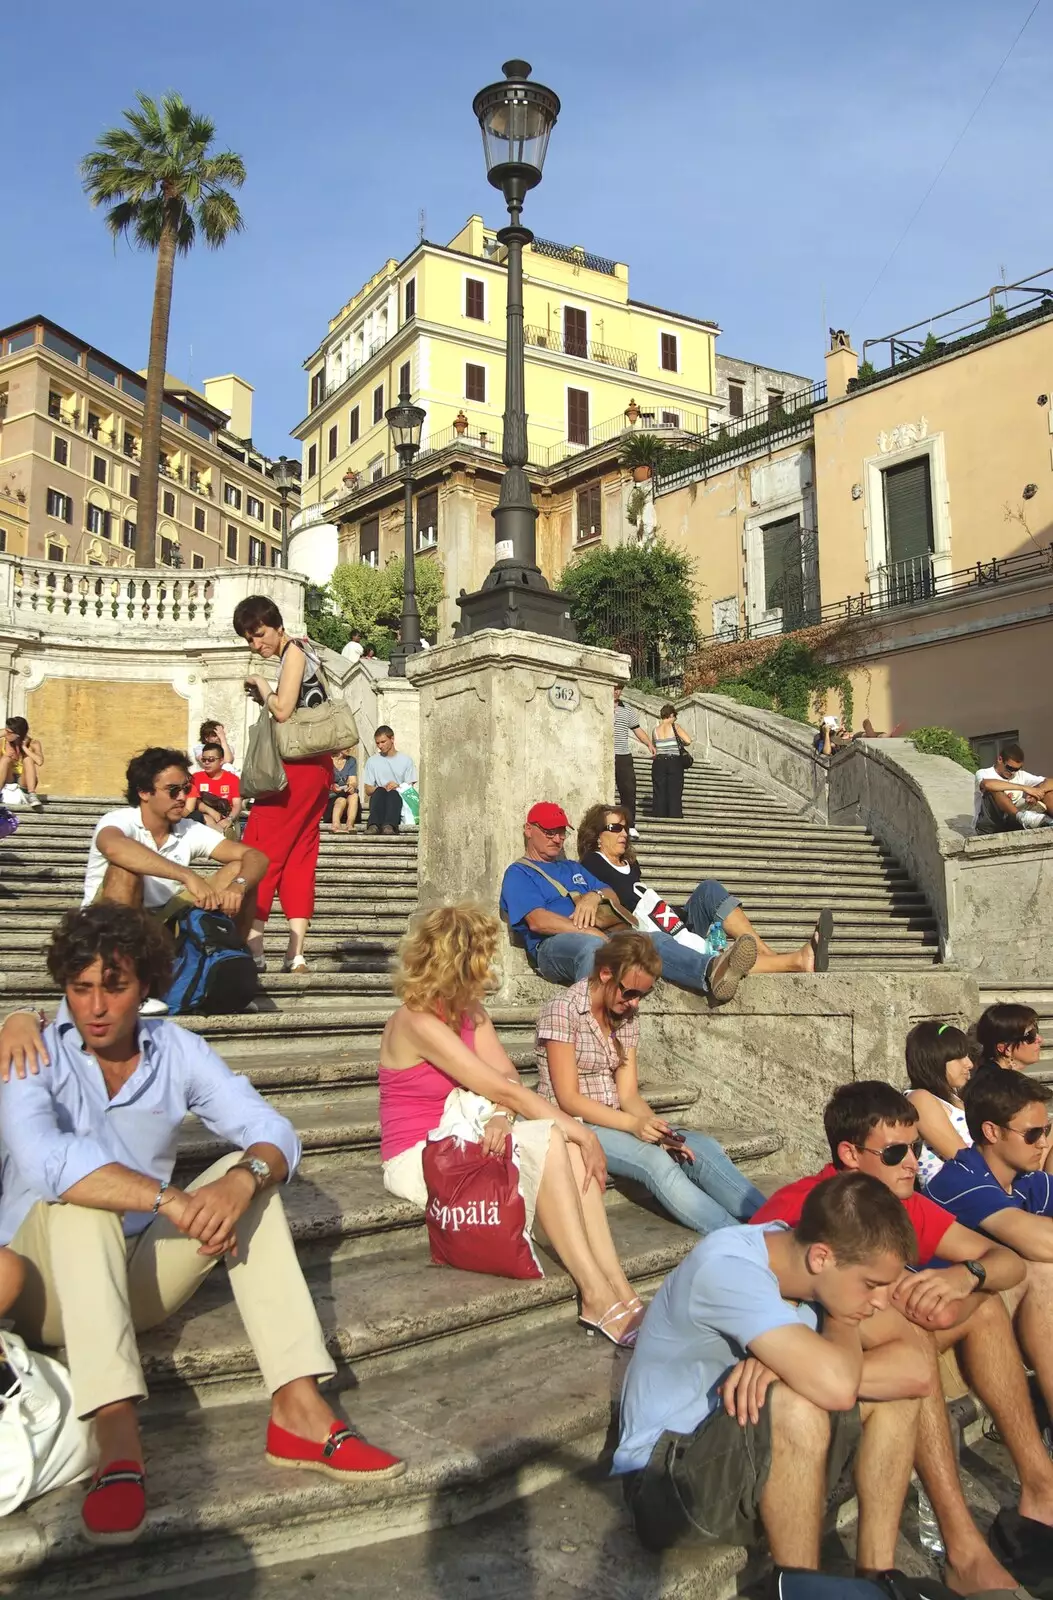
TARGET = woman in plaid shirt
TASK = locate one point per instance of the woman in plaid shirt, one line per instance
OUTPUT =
(587, 1038)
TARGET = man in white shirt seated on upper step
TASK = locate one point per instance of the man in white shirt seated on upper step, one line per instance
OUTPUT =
(112, 1246)
(1008, 797)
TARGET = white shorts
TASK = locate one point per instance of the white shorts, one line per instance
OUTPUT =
(404, 1173)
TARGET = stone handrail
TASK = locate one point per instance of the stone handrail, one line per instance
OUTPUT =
(55, 598)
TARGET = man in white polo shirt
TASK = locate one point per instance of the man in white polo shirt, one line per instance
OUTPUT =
(1008, 797)
(144, 853)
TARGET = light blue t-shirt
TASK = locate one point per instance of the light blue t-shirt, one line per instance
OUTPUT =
(710, 1308)
(382, 770)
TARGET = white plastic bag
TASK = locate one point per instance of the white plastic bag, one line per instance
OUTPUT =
(11, 795)
(652, 912)
(43, 1443)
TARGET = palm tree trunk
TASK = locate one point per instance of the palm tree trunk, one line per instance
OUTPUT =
(146, 518)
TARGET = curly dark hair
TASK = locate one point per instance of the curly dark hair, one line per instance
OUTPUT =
(118, 934)
(592, 825)
(143, 770)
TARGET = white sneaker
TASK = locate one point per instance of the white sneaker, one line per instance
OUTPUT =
(31, 799)
(634, 833)
(153, 1008)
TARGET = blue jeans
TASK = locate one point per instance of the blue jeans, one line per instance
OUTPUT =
(709, 1192)
(569, 957)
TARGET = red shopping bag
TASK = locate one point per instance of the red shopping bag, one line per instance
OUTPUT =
(476, 1215)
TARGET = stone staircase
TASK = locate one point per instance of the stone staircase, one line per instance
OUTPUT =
(442, 1367)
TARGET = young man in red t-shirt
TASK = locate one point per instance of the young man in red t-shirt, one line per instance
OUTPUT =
(955, 1296)
(216, 780)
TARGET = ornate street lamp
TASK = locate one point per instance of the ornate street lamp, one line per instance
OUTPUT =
(516, 117)
(406, 421)
(284, 475)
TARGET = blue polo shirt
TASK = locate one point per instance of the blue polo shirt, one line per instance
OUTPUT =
(971, 1192)
(524, 890)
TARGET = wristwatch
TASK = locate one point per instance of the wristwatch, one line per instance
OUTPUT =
(978, 1270)
(243, 881)
(259, 1169)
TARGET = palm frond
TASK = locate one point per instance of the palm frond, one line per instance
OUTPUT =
(219, 217)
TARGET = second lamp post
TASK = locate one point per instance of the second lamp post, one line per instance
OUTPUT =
(406, 421)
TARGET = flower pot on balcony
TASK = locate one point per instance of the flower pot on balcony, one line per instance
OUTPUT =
(641, 474)
(460, 424)
(632, 411)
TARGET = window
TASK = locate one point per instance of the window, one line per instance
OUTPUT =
(257, 552)
(577, 416)
(60, 451)
(590, 524)
(102, 369)
(333, 443)
(54, 405)
(98, 522)
(60, 505)
(783, 575)
(135, 388)
(475, 382)
(197, 561)
(232, 542)
(131, 446)
(774, 403)
(276, 555)
(369, 542)
(317, 389)
(133, 485)
(670, 355)
(908, 530)
(3, 540)
(199, 519)
(427, 519)
(409, 300)
(232, 496)
(987, 747)
(276, 520)
(376, 469)
(56, 552)
(670, 419)
(475, 299)
(404, 378)
(352, 425)
(254, 507)
(128, 534)
(378, 403)
(736, 400)
(93, 425)
(168, 503)
(170, 556)
(312, 461)
(575, 332)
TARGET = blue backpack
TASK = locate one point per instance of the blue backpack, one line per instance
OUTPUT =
(791, 1584)
(214, 972)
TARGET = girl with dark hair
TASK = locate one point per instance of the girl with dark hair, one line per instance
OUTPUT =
(939, 1066)
(667, 770)
(21, 759)
(285, 826)
(604, 847)
(1008, 1036)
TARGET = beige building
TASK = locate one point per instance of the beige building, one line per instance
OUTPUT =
(70, 432)
(907, 514)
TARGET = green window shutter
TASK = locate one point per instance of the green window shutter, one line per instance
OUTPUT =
(908, 511)
(782, 565)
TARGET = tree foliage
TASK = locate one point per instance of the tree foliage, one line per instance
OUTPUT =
(370, 599)
(636, 598)
(945, 742)
(786, 680)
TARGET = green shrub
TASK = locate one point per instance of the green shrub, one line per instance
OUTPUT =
(745, 696)
(944, 742)
(788, 678)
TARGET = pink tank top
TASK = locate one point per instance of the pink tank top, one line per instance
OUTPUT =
(412, 1098)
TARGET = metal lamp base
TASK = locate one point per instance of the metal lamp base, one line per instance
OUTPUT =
(515, 596)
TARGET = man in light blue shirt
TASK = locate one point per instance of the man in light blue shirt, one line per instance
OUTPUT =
(738, 1415)
(112, 1246)
(386, 773)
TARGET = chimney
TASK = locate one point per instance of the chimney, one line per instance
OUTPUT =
(842, 363)
(234, 396)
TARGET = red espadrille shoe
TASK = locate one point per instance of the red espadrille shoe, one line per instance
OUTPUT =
(345, 1454)
(114, 1508)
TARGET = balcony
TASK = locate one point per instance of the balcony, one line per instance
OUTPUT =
(607, 355)
(726, 442)
(326, 390)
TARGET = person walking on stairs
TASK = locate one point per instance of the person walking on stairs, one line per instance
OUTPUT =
(669, 742)
(286, 826)
(626, 721)
(587, 1039)
(605, 848)
(112, 1246)
(441, 1040)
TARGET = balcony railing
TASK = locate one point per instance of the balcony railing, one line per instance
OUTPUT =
(607, 355)
(329, 387)
(726, 442)
(575, 256)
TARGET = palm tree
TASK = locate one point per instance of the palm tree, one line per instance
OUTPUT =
(161, 185)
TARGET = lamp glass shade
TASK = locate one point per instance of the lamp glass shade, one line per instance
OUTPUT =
(516, 118)
(405, 421)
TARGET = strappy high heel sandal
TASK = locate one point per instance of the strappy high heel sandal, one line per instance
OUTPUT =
(608, 1327)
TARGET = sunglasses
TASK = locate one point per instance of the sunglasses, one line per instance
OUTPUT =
(616, 827)
(1029, 1135)
(632, 994)
(1030, 1037)
(1010, 768)
(173, 789)
(550, 833)
(894, 1155)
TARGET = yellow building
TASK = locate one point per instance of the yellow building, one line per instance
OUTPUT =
(906, 515)
(71, 422)
(597, 363)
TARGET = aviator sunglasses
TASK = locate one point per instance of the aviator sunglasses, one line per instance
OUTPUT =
(172, 789)
(894, 1155)
(1029, 1135)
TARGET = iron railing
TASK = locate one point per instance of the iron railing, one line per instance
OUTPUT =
(1003, 308)
(575, 256)
(607, 355)
(726, 442)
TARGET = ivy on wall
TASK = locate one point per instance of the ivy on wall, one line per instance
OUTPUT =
(784, 676)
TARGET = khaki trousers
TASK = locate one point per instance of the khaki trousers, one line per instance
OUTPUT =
(90, 1289)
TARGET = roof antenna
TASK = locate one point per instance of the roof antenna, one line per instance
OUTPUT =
(422, 223)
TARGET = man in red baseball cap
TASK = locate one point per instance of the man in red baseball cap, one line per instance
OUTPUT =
(552, 904)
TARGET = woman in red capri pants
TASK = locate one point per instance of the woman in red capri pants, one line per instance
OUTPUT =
(285, 826)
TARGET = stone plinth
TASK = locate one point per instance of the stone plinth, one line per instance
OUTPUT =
(507, 718)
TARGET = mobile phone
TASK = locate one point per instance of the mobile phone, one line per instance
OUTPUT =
(675, 1136)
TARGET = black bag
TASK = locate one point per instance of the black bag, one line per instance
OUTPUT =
(686, 758)
(214, 972)
(793, 1584)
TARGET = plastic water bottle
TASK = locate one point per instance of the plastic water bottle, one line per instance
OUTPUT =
(928, 1528)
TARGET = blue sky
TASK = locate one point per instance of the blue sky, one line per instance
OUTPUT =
(754, 164)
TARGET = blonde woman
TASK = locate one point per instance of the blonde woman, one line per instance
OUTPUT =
(441, 1039)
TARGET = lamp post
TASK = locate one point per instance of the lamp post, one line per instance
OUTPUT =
(516, 118)
(284, 475)
(406, 421)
